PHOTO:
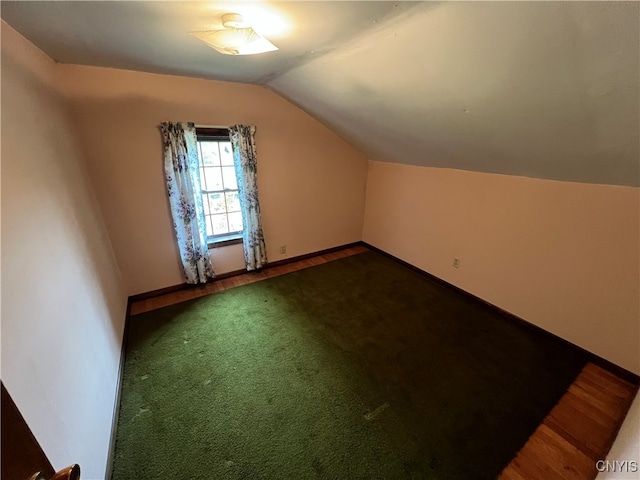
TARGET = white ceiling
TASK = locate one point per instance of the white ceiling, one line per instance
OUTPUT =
(151, 36)
(540, 89)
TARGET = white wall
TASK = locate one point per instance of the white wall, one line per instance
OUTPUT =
(63, 306)
(311, 183)
(564, 256)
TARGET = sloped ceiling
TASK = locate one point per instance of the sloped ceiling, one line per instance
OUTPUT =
(151, 36)
(540, 89)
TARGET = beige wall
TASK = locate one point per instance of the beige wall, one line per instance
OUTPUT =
(311, 183)
(63, 306)
(563, 256)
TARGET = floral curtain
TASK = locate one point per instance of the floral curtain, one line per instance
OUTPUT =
(244, 153)
(182, 175)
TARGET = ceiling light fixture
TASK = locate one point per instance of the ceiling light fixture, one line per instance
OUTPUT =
(237, 37)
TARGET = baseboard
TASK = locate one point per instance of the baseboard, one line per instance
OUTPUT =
(592, 357)
(596, 359)
(156, 293)
(277, 263)
(116, 410)
(306, 256)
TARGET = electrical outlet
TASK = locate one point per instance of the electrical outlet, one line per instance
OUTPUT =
(456, 263)
(283, 249)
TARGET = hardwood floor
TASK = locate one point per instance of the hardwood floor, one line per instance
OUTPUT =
(149, 304)
(577, 433)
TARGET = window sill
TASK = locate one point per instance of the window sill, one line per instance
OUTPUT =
(224, 241)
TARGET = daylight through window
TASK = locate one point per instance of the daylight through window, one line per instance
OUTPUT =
(219, 188)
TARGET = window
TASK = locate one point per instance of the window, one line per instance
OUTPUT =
(219, 186)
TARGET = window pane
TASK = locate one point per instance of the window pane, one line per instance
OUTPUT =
(235, 222)
(210, 155)
(216, 201)
(219, 223)
(205, 204)
(233, 201)
(229, 176)
(226, 154)
(209, 229)
(213, 178)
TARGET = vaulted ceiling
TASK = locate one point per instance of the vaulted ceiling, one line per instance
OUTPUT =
(540, 89)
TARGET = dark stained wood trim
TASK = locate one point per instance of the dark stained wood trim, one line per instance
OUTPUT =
(234, 273)
(213, 133)
(596, 359)
(224, 243)
(118, 396)
(306, 256)
(185, 286)
(592, 357)
(160, 291)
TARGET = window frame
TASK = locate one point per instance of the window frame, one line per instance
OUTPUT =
(217, 135)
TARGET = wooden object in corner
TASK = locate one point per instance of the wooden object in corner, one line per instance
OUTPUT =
(70, 473)
(21, 452)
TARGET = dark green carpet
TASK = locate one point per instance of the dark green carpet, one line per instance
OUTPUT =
(356, 369)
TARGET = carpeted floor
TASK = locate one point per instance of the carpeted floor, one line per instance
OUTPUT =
(356, 369)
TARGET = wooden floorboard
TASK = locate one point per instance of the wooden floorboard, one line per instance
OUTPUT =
(189, 293)
(578, 432)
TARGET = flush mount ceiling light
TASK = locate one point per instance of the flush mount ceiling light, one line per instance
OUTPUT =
(237, 37)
